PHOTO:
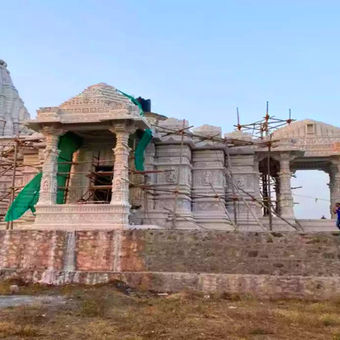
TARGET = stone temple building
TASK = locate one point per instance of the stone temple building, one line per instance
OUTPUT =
(193, 178)
(100, 189)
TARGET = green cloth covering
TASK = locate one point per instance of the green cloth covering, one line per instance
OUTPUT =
(68, 144)
(139, 152)
(26, 199)
(145, 140)
(29, 195)
(133, 100)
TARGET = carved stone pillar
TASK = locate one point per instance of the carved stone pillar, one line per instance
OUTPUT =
(48, 187)
(120, 182)
(334, 185)
(286, 201)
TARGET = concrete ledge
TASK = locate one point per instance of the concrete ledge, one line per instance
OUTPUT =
(261, 286)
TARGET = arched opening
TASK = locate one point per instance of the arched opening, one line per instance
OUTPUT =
(311, 194)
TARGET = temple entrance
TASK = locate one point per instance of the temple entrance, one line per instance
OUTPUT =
(311, 194)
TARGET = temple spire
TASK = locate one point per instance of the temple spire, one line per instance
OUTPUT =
(12, 110)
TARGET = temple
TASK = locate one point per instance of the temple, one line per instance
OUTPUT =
(193, 178)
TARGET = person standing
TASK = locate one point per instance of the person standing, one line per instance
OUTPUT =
(336, 211)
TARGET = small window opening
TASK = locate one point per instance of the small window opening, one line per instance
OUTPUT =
(310, 129)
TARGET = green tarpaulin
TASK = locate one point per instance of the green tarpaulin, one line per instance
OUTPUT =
(139, 152)
(26, 199)
(133, 100)
(29, 195)
(68, 144)
(146, 137)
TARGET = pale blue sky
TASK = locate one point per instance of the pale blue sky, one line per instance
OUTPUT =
(194, 59)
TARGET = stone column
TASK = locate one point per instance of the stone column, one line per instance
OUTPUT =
(48, 187)
(286, 201)
(120, 182)
(334, 185)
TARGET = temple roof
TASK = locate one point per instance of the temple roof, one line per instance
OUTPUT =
(97, 104)
(97, 98)
(308, 128)
(317, 139)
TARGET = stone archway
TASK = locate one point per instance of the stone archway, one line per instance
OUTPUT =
(311, 194)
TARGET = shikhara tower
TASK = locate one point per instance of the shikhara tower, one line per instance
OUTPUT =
(12, 109)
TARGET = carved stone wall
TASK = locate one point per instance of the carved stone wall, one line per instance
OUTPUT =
(208, 194)
(245, 175)
(176, 175)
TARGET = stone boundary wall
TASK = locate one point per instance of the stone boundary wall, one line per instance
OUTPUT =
(267, 265)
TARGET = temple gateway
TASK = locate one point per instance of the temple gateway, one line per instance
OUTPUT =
(104, 160)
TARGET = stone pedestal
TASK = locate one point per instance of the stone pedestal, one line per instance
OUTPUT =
(81, 216)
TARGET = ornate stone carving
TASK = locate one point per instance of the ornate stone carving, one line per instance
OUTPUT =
(97, 98)
(171, 176)
(48, 188)
(120, 182)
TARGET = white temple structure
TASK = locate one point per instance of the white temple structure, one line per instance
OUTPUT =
(193, 178)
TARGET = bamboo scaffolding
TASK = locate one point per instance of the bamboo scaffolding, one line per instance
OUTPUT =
(178, 176)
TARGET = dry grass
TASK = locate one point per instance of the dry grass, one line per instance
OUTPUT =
(105, 312)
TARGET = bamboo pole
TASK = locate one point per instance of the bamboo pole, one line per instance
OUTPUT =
(178, 176)
(9, 224)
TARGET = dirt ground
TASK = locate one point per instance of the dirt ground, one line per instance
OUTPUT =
(117, 312)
